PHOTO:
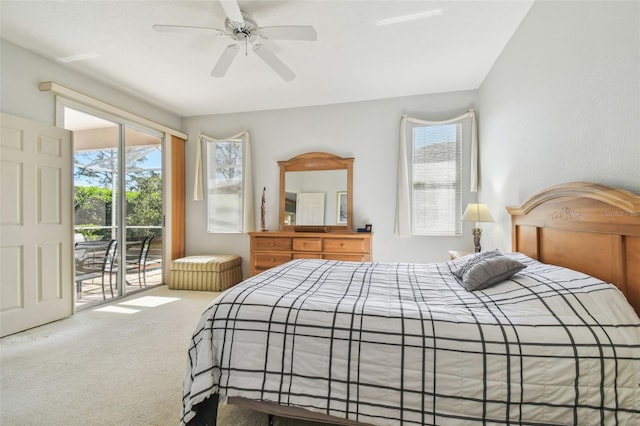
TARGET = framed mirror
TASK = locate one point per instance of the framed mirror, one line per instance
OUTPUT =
(316, 192)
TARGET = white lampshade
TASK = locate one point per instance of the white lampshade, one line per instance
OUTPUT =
(477, 213)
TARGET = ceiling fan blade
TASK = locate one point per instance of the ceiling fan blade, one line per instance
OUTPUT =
(186, 29)
(232, 10)
(306, 33)
(225, 60)
(274, 62)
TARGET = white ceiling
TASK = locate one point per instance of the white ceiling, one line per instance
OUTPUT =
(352, 60)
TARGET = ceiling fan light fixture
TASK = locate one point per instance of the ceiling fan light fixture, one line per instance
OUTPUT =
(247, 31)
(407, 18)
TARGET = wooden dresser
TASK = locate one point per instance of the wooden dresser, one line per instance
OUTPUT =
(269, 249)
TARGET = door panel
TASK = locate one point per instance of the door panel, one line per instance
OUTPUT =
(11, 266)
(49, 189)
(143, 217)
(35, 224)
(50, 259)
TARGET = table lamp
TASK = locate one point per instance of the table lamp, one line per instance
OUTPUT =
(477, 213)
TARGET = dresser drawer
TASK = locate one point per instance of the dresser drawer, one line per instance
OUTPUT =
(307, 244)
(307, 255)
(269, 260)
(345, 245)
(270, 243)
(347, 257)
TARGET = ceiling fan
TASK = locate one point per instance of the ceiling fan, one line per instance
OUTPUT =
(241, 28)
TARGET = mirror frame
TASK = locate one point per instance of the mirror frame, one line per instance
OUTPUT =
(314, 161)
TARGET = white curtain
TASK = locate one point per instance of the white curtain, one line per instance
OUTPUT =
(198, 183)
(198, 186)
(403, 197)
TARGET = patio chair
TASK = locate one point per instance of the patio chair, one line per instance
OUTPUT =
(109, 265)
(143, 260)
(134, 254)
(90, 259)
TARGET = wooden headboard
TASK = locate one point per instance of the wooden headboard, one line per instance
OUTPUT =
(586, 227)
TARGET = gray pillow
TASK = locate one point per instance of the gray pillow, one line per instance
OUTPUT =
(487, 268)
(469, 260)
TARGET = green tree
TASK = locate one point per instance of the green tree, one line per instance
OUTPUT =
(144, 200)
(229, 159)
(94, 204)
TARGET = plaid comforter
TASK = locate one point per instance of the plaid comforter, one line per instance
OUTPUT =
(401, 343)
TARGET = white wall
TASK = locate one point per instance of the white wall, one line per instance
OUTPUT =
(368, 131)
(561, 104)
(22, 71)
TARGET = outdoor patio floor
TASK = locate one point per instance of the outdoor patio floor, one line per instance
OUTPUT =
(91, 294)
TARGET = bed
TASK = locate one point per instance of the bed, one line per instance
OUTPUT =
(548, 335)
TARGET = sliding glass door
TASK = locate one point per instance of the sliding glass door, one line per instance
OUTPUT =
(117, 207)
(143, 213)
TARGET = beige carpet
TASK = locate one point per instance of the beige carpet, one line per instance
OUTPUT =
(116, 364)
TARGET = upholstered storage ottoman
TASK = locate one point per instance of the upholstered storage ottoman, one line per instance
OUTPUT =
(210, 273)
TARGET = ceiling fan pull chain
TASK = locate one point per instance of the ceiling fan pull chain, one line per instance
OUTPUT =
(246, 46)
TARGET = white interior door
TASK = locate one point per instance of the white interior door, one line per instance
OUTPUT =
(310, 208)
(35, 224)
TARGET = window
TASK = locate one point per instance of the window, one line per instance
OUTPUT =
(229, 190)
(224, 189)
(433, 157)
(435, 172)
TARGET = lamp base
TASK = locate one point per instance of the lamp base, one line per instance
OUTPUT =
(477, 233)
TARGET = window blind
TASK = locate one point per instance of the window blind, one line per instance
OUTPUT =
(435, 180)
